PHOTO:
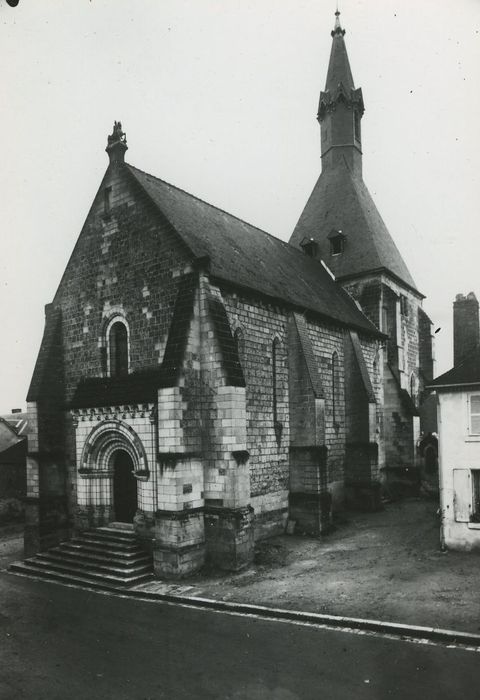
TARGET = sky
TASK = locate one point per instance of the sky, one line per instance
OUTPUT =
(219, 97)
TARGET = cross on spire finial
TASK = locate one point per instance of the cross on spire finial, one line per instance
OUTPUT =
(337, 28)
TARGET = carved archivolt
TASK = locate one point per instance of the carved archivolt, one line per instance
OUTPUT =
(106, 439)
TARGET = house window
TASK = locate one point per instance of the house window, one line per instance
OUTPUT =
(466, 489)
(476, 495)
(336, 245)
(118, 349)
(337, 241)
(474, 414)
(310, 247)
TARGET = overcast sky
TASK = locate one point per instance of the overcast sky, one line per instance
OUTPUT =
(219, 98)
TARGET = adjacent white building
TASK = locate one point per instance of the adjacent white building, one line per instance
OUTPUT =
(458, 409)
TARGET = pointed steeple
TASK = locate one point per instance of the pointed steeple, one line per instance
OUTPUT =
(339, 72)
(341, 106)
(340, 221)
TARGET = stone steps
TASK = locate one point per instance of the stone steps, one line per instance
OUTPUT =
(93, 550)
(104, 557)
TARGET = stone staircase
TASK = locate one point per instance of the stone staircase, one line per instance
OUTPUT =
(107, 557)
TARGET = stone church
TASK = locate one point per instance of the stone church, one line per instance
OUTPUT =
(200, 382)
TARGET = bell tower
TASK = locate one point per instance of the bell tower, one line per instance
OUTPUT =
(340, 109)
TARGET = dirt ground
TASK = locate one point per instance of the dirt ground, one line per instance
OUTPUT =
(11, 544)
(384, 566)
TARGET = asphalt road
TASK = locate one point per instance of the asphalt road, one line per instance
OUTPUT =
(59, 642)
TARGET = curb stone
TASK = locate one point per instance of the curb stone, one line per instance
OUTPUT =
(400, 630)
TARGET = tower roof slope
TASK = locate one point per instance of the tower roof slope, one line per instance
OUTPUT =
(246, 256)
(340, 201)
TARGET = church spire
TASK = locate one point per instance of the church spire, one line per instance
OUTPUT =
(338, 68)
(340, 222)
(341, 106)
(337, 28)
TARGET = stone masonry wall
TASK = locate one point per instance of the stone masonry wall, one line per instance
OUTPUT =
(261, 323)
(409, 353)
(326, 341)
(128, 260)
(404, 327)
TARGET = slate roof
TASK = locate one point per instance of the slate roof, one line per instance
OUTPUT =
(49, 349)
(248, 257)
(339, 70)
(18, 421)
(341, 201)
(138, 387)
(8, 435)
(466, 373)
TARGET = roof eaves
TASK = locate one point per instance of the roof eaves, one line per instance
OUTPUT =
(280, 301)
(377, 270)
(455, 385)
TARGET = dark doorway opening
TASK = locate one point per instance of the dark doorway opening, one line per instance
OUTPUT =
(431, 459)
(124, 488)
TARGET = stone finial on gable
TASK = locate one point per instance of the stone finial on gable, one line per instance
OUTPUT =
(117, 144)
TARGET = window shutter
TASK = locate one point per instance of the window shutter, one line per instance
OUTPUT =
(462, 495)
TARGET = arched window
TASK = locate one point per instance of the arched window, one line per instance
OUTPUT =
(118, 349)
(414, 387)
(276, 394)
(335, 390)
(240, 343)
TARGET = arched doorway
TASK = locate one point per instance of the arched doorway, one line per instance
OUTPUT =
(124, 488)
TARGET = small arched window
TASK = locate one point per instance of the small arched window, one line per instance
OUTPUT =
(414, 387)
(276, 389)
(240, 343)
(376, 365)
(118, 349)
(335, 390)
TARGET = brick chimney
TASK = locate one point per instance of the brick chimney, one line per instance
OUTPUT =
(466, 331)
